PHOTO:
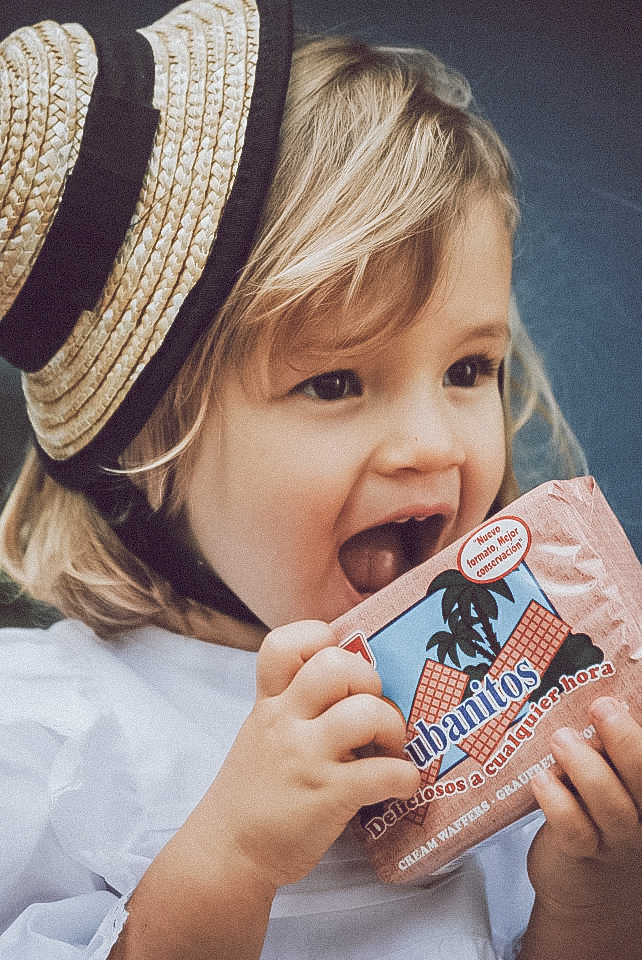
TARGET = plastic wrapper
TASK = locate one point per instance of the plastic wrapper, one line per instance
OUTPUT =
(486, 649)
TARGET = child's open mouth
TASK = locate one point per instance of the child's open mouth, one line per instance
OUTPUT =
(374, 558)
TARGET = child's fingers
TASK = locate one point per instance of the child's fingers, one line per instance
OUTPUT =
(285, 650)
(571, 827)
(374, 779)
(331, 675)
(604, 796)
(622, 740)
(357, 721)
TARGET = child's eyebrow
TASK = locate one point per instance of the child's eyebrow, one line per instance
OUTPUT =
(493, 330)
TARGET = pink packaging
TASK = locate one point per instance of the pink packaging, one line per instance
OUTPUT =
(487, 648)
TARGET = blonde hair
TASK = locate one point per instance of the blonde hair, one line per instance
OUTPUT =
(381, 157)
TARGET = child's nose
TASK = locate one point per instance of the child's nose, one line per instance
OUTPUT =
(420, 434)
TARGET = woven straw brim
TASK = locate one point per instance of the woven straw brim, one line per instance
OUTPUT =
(205, 57)
(46, 76)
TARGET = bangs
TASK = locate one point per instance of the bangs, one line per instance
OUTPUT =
(377, 171)
(344, 315)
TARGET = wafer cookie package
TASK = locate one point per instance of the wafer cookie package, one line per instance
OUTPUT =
(503, 637)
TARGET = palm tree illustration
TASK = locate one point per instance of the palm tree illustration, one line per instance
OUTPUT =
(468, 609)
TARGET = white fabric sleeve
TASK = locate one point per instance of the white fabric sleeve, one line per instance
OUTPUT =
(78, 928)
(509, 893)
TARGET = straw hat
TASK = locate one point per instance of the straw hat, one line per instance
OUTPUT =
(132, 174)
(133, 171)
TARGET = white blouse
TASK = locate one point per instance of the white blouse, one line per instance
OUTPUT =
(105, 749)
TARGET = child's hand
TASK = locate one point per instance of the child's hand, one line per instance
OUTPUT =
(293, 780)
(288, 787)
(586, 862)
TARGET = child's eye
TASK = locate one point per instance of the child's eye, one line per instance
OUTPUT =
(469, 371)
(335, 385)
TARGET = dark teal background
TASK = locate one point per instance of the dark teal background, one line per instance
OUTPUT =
(562, 81)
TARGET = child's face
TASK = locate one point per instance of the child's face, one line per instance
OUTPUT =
(298, 500)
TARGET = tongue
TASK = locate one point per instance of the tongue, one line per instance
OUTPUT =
(374, 558)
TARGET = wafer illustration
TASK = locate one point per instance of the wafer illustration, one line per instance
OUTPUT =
(440, 688)
(538, 635)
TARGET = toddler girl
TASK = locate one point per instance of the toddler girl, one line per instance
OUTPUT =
(271, 363)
